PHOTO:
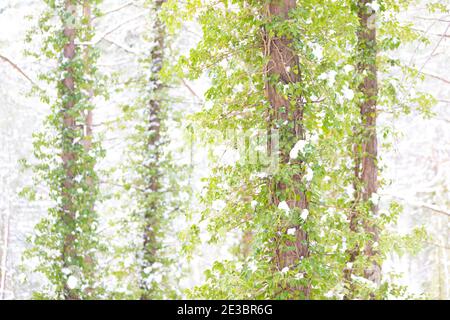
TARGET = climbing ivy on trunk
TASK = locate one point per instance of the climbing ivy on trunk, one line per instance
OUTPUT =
(305, 74)
(65, 242)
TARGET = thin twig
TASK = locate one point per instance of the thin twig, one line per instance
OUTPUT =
(15, 66)
(417, 203)
(190, 89)
(435, 77)
(101, 37)
(121, 46)
(128, 4)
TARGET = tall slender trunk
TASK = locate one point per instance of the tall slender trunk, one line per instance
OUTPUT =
(153, 205)
(283, 66)
(89, 115)
(88, 134)
(5, 235)
(4, 252)
(366, 169)
(246, 243)
(69, 254)
(369, 87)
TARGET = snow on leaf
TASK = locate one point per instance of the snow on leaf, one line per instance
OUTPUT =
(218, 205)
(252, 266)
(317, 51)
(291, 231)
(349, 190)
(348, 93)
(330, 76)
(375, 198)
(304, 214)
(373, 5)
(309, 174)
(298, 147)
(348, 68)
(72, 282)
(284, 206)
(299, 276)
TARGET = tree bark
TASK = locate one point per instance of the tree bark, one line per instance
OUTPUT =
(369, 88)
(4, 253)
(89, 259)
(89, 115)
(366, 169)
(69, 254)
(283, 67)
(153, 205)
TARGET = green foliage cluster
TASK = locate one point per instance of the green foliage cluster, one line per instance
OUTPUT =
(231, 53)
(155, 185)
(236, 201)
(73, 184)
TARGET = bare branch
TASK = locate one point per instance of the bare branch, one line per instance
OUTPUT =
(190, 89)
(435, 48)
(128, 4)
(435, 77)
(417, 203)
(121, 46)
(101, 37)
(15, 66)
(432, 19)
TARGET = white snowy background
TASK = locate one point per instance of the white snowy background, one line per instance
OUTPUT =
(418, 165)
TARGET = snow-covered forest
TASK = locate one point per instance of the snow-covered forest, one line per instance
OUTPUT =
(224, 149)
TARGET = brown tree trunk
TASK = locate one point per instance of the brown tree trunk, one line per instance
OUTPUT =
(151, 217)
(69, 254)
(89, 116)
(366, 169)
(369, 88)
(88, 135)
(246, 243)
(283, 67)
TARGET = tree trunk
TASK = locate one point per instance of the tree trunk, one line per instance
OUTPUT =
(369, 88)
(153, 205)
(4, 252)
(88, 135)
(69, 255)
(366, 170)
(89, 116)
(283, 66)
